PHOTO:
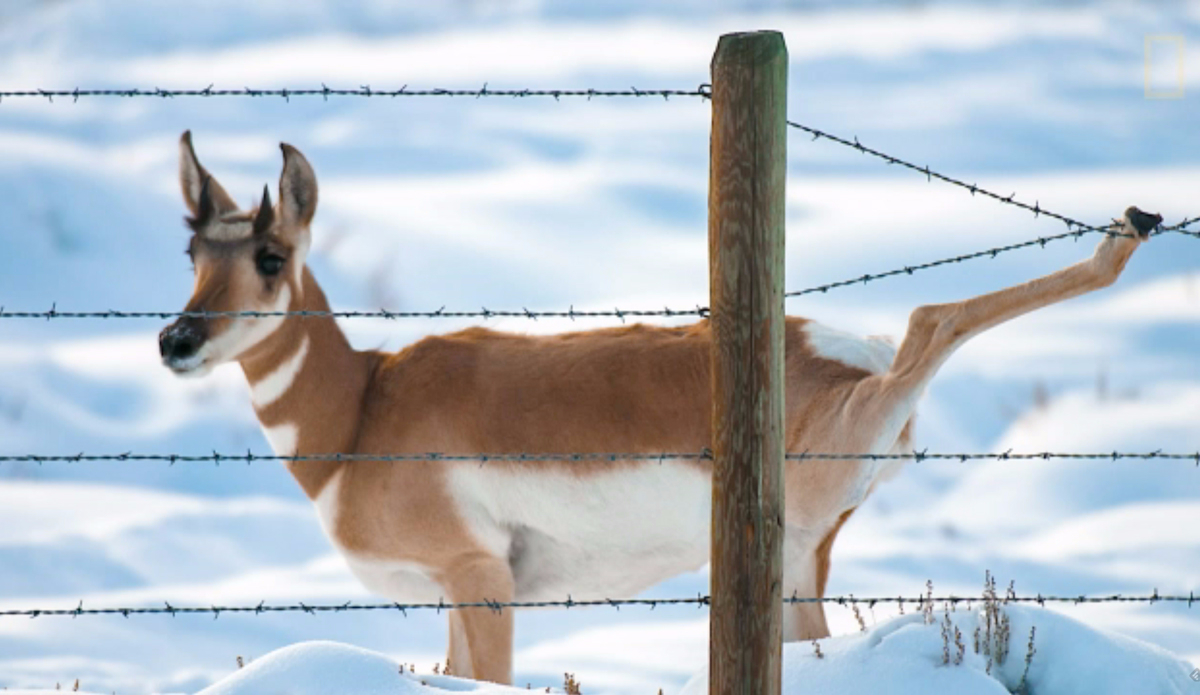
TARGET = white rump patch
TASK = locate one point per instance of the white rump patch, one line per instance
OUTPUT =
(873, 354)
(283, 438)
(270, 388)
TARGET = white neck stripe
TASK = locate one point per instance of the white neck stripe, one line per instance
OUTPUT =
(270, 388)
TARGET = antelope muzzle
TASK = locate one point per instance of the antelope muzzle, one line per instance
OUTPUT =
(180, 343)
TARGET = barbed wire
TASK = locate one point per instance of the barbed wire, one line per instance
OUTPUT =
(987, 253)
(973, 188)
(699, 601)
(483, 313)
(1079, 230)
(704, 91)
(1075, 227)
(1178, 228)
(661, 457)
(572, 313)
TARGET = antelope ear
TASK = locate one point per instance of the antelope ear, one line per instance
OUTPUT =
(198, 184)
(297, 188)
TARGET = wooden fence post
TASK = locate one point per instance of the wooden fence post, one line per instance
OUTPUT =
(745, 244)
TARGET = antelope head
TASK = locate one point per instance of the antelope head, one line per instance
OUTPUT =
(244, 261)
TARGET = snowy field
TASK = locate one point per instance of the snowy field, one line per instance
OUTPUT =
(511, 203)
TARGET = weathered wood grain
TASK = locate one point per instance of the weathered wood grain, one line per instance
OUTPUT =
(746, 267)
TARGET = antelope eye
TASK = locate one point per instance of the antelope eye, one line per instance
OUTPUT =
(269, 264)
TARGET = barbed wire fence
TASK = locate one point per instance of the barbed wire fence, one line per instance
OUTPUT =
(1075, 230)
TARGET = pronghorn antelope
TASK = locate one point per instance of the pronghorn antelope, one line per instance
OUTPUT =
(539, 530)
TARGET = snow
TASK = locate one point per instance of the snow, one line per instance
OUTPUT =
(905, 656)
(328, 668)
(519, 202)
(1046, 492)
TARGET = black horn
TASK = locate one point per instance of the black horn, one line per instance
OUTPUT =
(266, 213)
(204, 208)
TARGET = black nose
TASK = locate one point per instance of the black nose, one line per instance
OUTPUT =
(180, 340)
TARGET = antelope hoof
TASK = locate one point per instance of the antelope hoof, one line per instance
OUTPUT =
(1141, 222)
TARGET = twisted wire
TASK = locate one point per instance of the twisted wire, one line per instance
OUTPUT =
(699, 601)
(704, 91)
(218, 458)
(483, 313)
(1036, 208)
(1041, 241)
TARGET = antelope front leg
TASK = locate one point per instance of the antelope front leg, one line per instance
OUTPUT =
(481, 639)
(885, 402)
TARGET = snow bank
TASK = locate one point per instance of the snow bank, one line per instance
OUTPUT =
(329, 668)
(904, 656)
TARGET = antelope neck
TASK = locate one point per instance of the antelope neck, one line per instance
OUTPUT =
(307, 380)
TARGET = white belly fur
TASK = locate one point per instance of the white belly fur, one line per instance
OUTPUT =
(597, 535)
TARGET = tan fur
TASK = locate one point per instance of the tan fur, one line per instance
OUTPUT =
(631, 389)
(825, 549)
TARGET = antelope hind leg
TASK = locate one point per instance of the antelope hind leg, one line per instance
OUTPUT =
(886, 401)
(487, 633)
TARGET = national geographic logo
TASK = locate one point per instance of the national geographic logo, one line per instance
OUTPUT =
(1163, 66)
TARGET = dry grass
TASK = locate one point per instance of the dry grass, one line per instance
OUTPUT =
(1030, 650)
(862, 624)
